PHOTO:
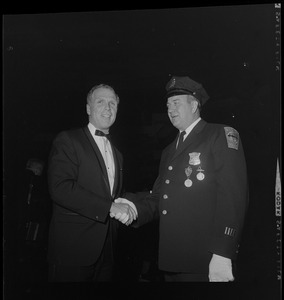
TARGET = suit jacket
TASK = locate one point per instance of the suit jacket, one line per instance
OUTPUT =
(207, 216)
(79, 187)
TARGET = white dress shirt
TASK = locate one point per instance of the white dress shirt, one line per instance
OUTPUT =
(189, 128)
(106, 151)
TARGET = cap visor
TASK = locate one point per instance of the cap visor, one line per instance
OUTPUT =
(178, 92)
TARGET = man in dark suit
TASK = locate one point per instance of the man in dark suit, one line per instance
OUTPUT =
(85, 176)
(201, 193)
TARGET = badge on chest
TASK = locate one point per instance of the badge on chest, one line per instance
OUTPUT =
(193, 169)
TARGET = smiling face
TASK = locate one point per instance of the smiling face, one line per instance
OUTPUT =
(182, 110)
(102, 108)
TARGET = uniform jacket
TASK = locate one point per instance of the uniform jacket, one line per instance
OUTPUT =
(79, 187)
(206, 217)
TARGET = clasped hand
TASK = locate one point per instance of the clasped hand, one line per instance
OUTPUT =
(123, 211)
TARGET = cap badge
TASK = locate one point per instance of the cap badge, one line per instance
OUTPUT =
(172, 84)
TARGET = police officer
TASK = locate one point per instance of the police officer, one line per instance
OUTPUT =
(201, 193)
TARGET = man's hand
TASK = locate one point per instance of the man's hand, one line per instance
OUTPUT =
(123, 200)
(220, 269)
(123, 212)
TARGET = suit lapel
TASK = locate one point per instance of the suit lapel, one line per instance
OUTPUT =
(118, 172)
(172, 149)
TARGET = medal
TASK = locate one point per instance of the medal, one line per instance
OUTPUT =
(188, 171)
(200, 176)
(188, 183)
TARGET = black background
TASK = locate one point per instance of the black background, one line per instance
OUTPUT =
(51, 61)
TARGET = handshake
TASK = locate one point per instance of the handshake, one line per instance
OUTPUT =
(123, 210)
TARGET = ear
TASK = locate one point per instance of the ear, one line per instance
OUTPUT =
(194, 105)
(88, 109)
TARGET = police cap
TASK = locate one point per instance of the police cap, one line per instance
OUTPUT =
(186, 86)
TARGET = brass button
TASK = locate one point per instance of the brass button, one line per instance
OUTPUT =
(167, 181)
(164, 212)
(170, 168)
(165, 196)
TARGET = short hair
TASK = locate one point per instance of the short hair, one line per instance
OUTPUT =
(98, 86)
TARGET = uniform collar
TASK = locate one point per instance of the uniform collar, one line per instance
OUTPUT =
(190, 127)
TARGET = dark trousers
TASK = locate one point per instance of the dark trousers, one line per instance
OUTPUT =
(100, 271)
(185, 277)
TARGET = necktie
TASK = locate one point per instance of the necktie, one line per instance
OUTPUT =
(100, 133)
(180, 139)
